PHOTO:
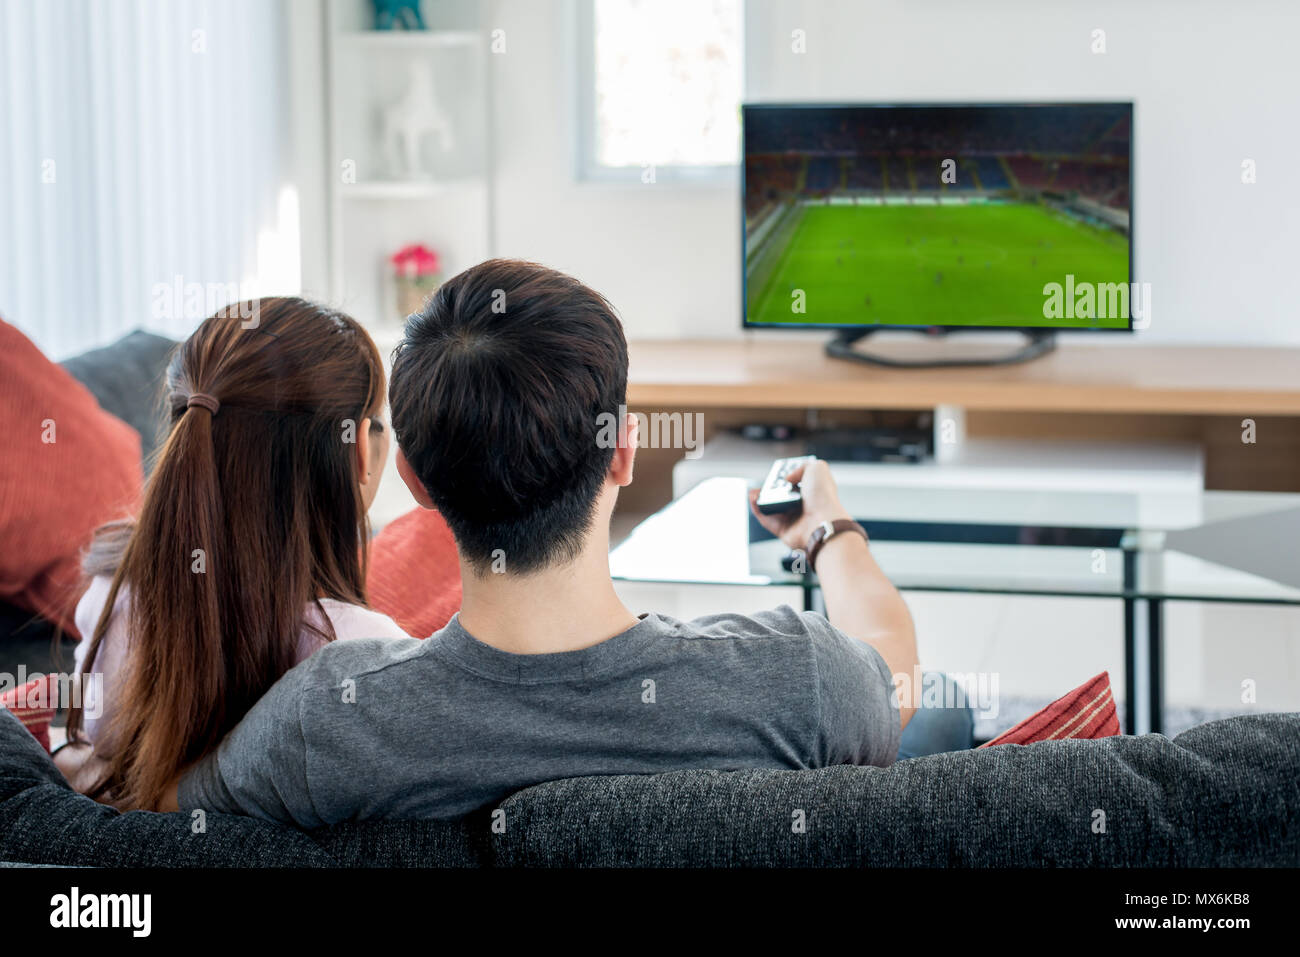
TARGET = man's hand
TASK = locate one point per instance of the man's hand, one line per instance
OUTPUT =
(821, 503)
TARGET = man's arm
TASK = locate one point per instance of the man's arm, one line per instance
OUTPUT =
(860, 601)
(260, 768)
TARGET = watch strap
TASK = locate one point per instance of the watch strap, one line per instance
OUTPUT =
(824, 532)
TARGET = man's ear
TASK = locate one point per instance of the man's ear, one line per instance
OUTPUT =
(620, 467)
(418, 491)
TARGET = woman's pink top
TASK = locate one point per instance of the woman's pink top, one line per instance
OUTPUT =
(99, 697)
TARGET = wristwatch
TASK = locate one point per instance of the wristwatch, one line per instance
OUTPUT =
(824, 532)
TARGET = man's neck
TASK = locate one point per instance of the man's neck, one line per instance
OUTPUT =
(560, 608)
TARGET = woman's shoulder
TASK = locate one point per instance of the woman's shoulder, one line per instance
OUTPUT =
(92, 603)
(89, 608)
(357, 621)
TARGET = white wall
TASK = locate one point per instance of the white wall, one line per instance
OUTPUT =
(667, 256)
(308, 153)
(1213, 83)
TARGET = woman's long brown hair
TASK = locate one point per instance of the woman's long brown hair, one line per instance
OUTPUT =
(251, 514)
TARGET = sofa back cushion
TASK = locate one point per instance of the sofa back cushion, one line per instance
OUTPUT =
(1223, 794)
(126, 379)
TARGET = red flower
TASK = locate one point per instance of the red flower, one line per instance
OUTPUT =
(415, 261)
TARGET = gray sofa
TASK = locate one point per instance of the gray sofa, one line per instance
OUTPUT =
(1225, 794)
(126, 379)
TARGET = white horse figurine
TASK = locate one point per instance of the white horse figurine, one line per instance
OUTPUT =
(408, 121)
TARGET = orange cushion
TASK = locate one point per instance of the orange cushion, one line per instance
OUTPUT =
(414, 573)
(1086, 712)
(68, 467)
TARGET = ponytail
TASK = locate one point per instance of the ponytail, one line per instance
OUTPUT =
(251, 491)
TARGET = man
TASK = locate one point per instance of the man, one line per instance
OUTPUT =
(499, 390)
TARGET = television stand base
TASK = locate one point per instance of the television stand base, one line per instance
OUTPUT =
(1040, 342)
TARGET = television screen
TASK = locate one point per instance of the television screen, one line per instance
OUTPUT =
(972, 216)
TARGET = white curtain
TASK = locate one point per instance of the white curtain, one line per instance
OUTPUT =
(141, 150)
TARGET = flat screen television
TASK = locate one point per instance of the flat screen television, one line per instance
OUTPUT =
(938, 217)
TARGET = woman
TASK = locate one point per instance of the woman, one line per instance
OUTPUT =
(249, 551)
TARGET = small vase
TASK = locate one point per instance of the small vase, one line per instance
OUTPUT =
(412, 291)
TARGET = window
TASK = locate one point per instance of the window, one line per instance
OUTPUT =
(659, 87)
(142, 168)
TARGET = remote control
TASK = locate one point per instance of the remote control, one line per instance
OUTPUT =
(777, 495)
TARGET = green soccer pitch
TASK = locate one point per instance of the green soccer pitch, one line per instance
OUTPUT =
(981, 264)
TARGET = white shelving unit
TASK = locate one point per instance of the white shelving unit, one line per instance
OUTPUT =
(373, 213)
(389, 40)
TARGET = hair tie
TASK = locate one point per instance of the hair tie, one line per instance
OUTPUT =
(203, 400)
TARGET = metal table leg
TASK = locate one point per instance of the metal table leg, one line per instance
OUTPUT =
(1130, 643)
(1155, 663)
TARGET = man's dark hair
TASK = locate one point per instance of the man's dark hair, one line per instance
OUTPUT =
(498, 390)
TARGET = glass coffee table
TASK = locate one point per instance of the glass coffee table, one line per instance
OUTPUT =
(1141, 549)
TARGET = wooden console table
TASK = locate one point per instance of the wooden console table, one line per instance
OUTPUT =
(1111, 392)
(1169, 380)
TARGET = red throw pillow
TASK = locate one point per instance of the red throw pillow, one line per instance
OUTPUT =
(1086, 712)
(34, 705)
(414, 573)
(68, 467)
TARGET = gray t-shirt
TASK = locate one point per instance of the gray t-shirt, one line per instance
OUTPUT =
(440, 727)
